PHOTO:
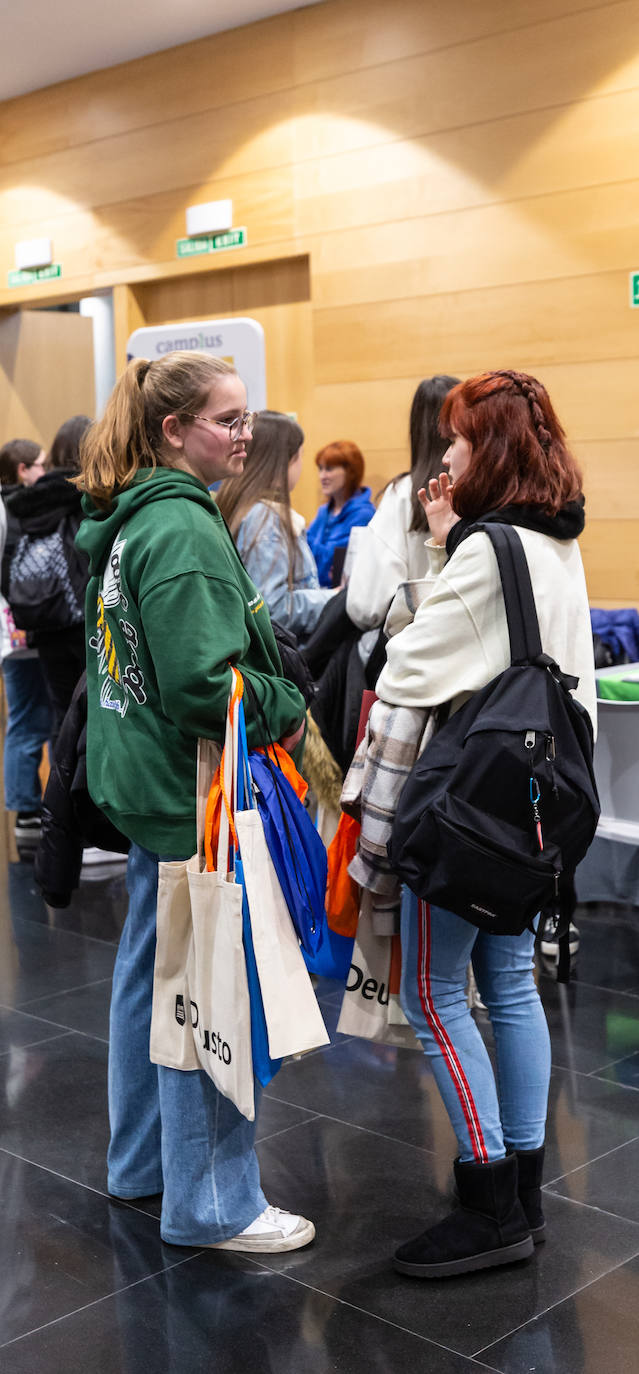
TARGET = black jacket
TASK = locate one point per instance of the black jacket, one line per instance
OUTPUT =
(332, 654)
(11, 541)
(70, 818)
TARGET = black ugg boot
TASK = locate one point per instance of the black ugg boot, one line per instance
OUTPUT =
(488, 1228)
(530, 1165)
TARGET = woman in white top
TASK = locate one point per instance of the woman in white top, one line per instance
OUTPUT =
(507, 462)
(391, 550)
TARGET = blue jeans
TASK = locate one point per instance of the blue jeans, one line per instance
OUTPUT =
(170, 1130)
(487, 1118)
(28, 728)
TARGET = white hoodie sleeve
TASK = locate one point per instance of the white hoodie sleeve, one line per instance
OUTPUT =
(458, 639)
(384, 558)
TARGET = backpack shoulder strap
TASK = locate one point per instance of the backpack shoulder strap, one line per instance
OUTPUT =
(521, 613)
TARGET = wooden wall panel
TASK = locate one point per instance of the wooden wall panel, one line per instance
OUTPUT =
(46, 373)
(609, 550)
(527, 326)
(144, 229)
(592, 143)
(255, 134)
(209, 74)
(571, 235)
(426, 187)
(213, 73)
(483, 80)
(596, 403)
(353, 39)
(611, 469)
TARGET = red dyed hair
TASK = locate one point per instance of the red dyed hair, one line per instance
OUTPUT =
(343, 453)
(519, 454)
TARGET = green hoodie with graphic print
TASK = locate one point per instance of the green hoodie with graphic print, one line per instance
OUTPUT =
(169, 606)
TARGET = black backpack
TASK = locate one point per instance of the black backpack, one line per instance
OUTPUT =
(503, 800)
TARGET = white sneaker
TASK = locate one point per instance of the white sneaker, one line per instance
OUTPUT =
(549, 943)
(272, 1231)
(102, 856)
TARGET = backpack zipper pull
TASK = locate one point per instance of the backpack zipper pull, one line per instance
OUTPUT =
(550, 758)
(534, 801)
(529, 739)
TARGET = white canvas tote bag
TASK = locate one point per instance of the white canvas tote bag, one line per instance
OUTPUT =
(367, 1008)
(293, 1019)
(201, 1012)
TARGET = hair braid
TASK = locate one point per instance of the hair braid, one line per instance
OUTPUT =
(526, 386)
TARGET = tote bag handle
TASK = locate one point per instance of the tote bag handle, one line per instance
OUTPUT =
(223, 790)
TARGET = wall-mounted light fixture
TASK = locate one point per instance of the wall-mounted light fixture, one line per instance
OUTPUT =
(210, 218)
(33, 253)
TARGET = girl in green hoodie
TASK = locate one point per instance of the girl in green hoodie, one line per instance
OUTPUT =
(169, 607)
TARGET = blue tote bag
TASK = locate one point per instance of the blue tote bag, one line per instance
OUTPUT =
(297, 851)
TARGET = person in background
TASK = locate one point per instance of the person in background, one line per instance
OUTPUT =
(52, 595)
(169, 608)
(270, 535)
(27, 700)
(507, 462)
(348, 503)
(392, 550)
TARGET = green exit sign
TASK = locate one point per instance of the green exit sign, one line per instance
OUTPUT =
(26, 276)
(211, 243)
(634, 289)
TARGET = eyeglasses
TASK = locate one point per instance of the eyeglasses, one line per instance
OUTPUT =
(235, 427)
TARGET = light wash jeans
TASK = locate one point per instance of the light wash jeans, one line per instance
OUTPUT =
(437, 947)
(28, 729)
(170, 1130)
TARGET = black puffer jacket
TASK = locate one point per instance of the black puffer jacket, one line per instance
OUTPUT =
(70, 818)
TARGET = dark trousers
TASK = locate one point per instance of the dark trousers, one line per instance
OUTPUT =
(63, 660)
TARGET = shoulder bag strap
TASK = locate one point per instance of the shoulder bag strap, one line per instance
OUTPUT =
(521, 613)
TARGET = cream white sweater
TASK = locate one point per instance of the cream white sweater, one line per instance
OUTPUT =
(458, 640)
(388, 553)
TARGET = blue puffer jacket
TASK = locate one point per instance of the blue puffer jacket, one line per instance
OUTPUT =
(329, 532)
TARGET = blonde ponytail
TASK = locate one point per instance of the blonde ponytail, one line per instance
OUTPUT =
(129, 435)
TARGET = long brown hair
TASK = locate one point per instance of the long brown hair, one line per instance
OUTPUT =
(276, 440)
(519, 454)
(129, 435)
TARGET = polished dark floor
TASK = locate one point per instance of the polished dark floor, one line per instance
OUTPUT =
(355, 1137)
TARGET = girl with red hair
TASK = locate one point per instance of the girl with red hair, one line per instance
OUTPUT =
(508, 463)
(348, 503)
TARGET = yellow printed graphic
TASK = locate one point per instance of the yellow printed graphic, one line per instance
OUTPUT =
(110, 655)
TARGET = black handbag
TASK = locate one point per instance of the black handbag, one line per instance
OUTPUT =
(503, 800)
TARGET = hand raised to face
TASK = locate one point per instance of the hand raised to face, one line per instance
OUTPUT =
(437, 506)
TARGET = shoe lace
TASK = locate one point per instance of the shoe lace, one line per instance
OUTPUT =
(272, 1214)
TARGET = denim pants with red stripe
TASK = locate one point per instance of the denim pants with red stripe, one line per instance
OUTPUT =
(488, 1117)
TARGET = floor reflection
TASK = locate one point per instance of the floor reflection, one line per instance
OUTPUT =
(355, 1136)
